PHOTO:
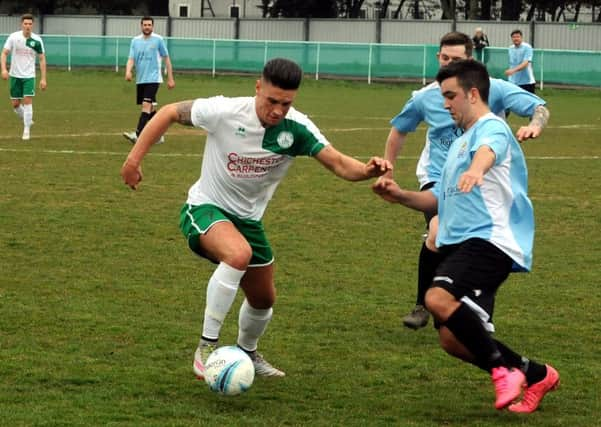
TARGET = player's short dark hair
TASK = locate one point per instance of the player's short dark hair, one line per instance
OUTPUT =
(455, 38)
(147, 18)
(26, 16)
(469, 73)
(283, 73)
(517, 32)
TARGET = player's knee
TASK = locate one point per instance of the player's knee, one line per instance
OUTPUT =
(239, 257)
(437, 302)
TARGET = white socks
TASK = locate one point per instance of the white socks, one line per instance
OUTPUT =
(252, 323)
(27, 115)
(19, 111)
(221, 292)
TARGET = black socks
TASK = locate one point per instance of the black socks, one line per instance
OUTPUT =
(428, 262)
(468, 329)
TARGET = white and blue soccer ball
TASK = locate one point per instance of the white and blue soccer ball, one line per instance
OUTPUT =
(229, 371)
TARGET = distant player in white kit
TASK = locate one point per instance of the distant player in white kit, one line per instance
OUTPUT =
(23, 47)
(251, 143)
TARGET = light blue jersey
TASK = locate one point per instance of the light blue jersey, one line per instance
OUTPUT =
(147, 54)
(427, 105)
(517, 55)
(499, 210)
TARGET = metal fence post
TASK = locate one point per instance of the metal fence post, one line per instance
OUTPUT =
(214, 56)
(69, 53)
(542, 70)
(317, 61)
(369, 65)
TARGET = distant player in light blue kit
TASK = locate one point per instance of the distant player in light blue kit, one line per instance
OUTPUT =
(146, 53)
(520, 63)
(485, 231)
(427, 105)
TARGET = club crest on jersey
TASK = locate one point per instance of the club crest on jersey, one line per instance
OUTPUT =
(285, 139)
(462, 149)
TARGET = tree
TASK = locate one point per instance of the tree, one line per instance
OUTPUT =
(397, 12)
(304, 8)
(472, 9)
(485, 10)
(510, 10)
(448, 9)
(349, 8)
(264, 8)
(51, 7)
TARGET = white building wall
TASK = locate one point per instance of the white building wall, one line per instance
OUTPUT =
(221, 8)
(355, 31)
(280, 29)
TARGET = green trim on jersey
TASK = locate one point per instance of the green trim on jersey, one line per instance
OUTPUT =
(20, 88)
(34, 44)
(291, 138)
(197, 220)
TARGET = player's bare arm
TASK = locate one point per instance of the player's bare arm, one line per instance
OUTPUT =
(129, 66)
(180, 112)
(484, 159)
(394, 145)
(389, 190)
(170, 79)
(349, 168)
(43, 83)
(537, 124)
(3, 57)
(184, 112)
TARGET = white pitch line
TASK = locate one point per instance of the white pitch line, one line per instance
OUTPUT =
(124, 153)
(200, 132)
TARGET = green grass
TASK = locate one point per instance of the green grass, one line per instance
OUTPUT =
(101, 300)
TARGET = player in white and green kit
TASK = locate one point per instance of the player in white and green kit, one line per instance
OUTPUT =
(251, 143)
(23, 47)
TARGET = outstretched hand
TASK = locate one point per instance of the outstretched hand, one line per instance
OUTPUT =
(131, 174)
(387, 189)
(527, 132)
(377, 166)
(468, 180)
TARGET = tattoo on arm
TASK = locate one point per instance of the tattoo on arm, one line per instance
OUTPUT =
(184, 113)
(540, 116)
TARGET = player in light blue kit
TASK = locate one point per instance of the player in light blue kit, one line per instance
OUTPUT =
(485, 231)
(427, 105)
(520, 63)
(146, 52)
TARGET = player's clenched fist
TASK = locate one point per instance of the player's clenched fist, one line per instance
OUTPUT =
(131, 174)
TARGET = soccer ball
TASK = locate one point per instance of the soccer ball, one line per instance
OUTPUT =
(229, 371)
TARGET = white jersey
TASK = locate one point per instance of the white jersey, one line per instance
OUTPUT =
(244, 162)
(23, 52)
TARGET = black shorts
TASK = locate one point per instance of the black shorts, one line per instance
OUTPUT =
(146, 92)
(472, 271)
(529, 87)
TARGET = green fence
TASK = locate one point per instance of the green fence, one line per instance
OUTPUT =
(369, 61)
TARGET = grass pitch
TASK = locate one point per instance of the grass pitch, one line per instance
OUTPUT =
(102, 302)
